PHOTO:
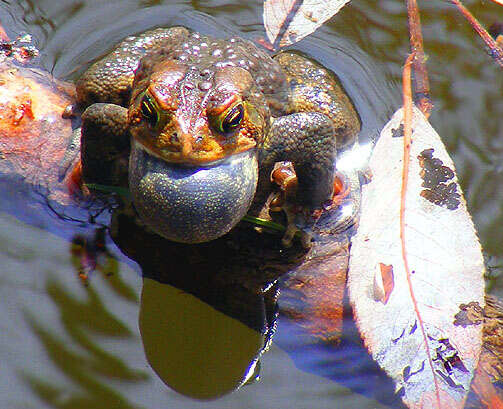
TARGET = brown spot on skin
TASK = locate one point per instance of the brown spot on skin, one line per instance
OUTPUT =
(223, 105)
(435, 175)
(284, 176)
(75, 183)
(186, 144)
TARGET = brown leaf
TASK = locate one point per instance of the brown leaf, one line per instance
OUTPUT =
(414, 337)
(489, 374)
(289, 21)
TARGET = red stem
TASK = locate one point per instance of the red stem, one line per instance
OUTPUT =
(407, 134)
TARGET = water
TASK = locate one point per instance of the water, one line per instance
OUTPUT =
(67, 345)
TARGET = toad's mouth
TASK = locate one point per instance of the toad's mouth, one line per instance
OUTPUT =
(192, 204)
(176, 159)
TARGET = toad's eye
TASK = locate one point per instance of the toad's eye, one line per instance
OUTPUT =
(149, 110)
(232, 119)
(156, 117)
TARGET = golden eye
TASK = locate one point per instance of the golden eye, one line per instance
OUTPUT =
(232, 119)
(149, 110)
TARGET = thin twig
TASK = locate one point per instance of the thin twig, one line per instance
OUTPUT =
(421, 82)
(494, 50)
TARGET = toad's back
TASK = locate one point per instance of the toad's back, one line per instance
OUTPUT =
(207, 54)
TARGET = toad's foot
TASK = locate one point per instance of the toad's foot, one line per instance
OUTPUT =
(336, 217)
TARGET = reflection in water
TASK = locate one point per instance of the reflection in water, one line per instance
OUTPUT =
(195, 349)
(83, 361)
(208, 311)
(90, 254)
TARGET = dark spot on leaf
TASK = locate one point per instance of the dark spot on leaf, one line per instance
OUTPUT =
(406, 373)
(401, 335)
(469, 314)
(414, 327)
(456, 363)
(447, 379)
(444, 195)
(435, 175)
(397, 132)
(433, 170)
(448, 362)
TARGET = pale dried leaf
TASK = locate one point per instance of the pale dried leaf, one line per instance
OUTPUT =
(446, 264)
(295, 19)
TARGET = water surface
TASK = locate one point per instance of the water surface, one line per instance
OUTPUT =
(67, 345)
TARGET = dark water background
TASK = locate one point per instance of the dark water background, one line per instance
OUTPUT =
(63, 345)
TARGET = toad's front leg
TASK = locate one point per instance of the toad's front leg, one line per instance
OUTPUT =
(105, 145)
(308, 141)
